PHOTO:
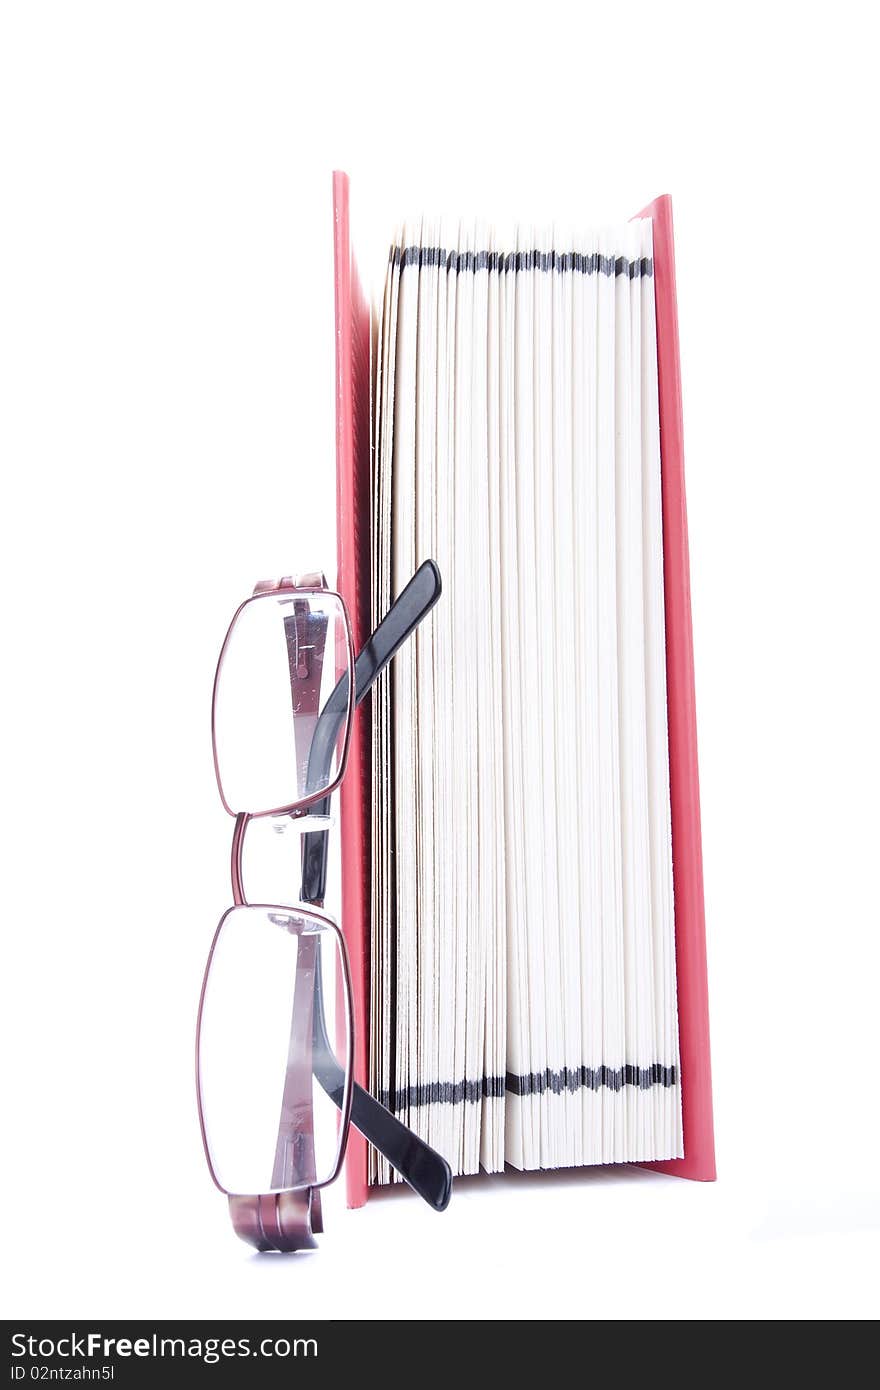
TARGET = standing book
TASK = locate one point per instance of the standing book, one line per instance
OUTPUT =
(521, 858)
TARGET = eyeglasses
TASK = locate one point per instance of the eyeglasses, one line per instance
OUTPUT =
(275, 1035)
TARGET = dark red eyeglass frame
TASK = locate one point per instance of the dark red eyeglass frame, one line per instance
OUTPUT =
(305, 588)
(288, 1220)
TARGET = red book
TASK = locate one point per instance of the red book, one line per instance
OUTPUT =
(353, 397)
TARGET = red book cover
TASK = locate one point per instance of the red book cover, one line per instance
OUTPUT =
(684, 781)
(353, 578)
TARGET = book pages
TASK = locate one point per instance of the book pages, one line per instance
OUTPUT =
(523, 992)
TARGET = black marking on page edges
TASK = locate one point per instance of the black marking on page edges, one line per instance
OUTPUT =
(505, 261)
(531, 1084)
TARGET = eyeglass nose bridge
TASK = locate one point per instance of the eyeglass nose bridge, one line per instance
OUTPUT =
(241, 823)
(310, 824)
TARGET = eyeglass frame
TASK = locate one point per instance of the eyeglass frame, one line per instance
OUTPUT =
(289, 1219)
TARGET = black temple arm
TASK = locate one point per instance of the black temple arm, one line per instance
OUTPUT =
(401, 620)
(425, 1170)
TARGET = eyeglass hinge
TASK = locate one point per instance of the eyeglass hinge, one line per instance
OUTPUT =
(283, 1221)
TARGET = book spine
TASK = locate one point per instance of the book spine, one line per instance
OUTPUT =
(353, 560)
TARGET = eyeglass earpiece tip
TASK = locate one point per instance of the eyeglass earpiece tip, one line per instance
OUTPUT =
(430, 569)
(445, 1192)
(431, 1177)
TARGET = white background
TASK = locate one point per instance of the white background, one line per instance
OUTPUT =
(168, 438)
